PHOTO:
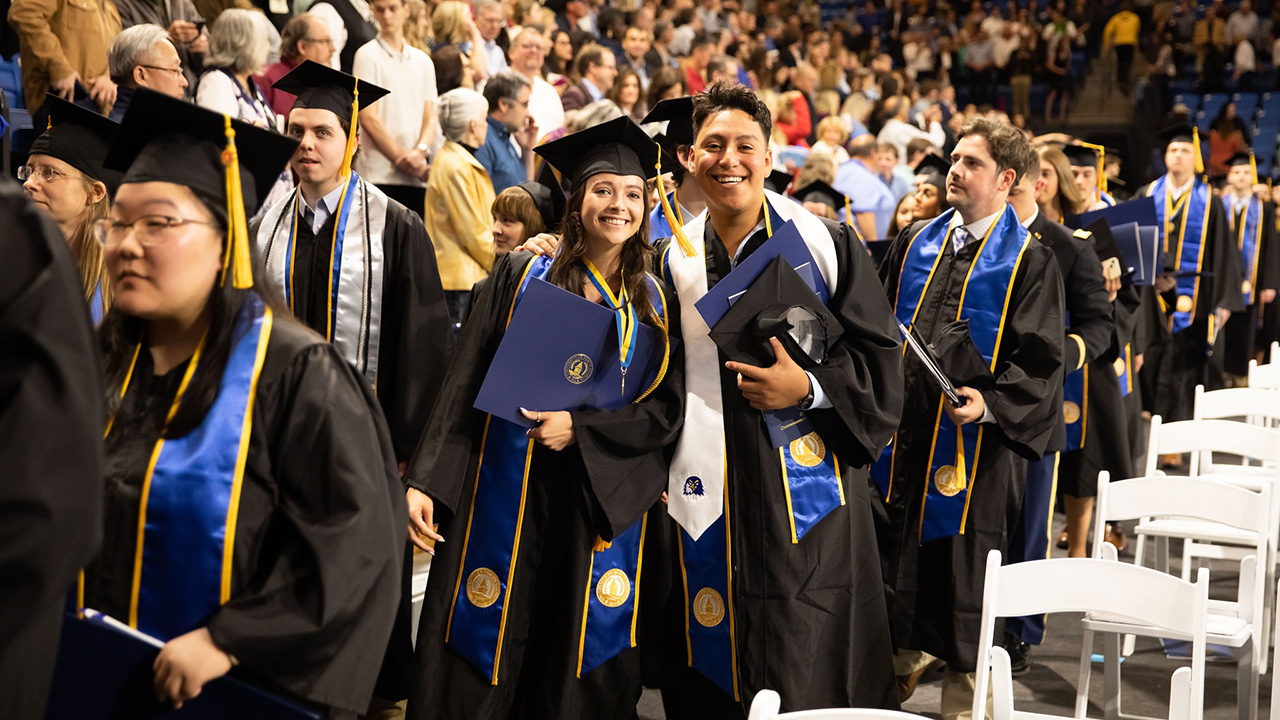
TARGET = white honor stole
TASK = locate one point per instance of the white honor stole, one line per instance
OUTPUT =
(357, 271)
(696, 484)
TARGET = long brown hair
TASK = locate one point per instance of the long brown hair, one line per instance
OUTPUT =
(1069, 197)
(637, 258)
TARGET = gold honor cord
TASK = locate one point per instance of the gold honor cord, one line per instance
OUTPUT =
(236, 256)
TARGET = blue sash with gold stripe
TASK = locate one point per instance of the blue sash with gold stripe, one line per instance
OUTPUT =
(708, 594)
(1191, 243)
(984, 303)
(478, 613)
(1075, 407)
(1124, 370)
(1249, 240)
(191, 494)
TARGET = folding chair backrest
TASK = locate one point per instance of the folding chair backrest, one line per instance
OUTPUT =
(1220, 436)
(766, 703)
(1266, 376)
(1250, 402)
(1091, 585)
(1211, 498)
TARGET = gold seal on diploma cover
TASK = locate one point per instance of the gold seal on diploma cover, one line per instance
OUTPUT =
(708, 607)
(613, 589)
(808, 451)
(1246, 287)
(483, 587)
(947, 482)
(1119, 366)
(1184, 303)
(1070, 412)
(577, 369)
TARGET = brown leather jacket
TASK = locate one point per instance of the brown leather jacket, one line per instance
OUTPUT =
(61, 37)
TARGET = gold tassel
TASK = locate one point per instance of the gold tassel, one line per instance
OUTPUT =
(848, 214)
(48, 123)
(236, 257)
(1102, 166)
(1195, 142)
(962, 481)
(1253, 165)
(351, 134)
(601, 545)
(677, 230)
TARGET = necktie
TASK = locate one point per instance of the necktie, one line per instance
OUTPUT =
(960, 237)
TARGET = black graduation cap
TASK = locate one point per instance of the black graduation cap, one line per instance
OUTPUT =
(1240, 158)
(677, 113)
(1178, 132)
(778, 304)
(670, 161)
(933, 170)
(778, 181)
(819, 191)
(617, 146)
(79, 138)
(163, 139)
(549, 200)
(1081, 156)
(321, 87)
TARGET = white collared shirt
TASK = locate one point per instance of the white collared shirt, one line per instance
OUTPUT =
(325, 206)
(1177, 192)
(977, 229)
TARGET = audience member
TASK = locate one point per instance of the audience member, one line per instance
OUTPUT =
(144, 56)
(64, 47)
(304, 37)
(596, 70)
(507, 151)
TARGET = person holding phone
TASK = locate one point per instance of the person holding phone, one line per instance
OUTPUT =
(181, 21)
(988, 298)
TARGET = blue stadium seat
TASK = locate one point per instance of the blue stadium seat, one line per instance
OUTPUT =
(1246, 105)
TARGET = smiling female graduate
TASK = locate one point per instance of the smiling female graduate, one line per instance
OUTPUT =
(252, 506)
(530, 610)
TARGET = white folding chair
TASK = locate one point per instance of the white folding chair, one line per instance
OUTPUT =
(1107, 589)
(1206, 540)
(767, 702)
(1266, 376)
(1238, 624)
(1254, 406)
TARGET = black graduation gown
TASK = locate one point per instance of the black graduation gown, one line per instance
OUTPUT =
(50, 459)
(317, 562)
(1174, 367)
(600, 486)
(809, 619)
(416, 338)
(1244, 334)
(936, 588)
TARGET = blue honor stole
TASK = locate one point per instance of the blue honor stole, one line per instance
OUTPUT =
(191, 493)
(984, 303)
(478, 612)
(1249, 241)
(1075, 407)
(1124, 369)
(1191, 232)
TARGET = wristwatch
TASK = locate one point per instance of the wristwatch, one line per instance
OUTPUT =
(423, 148)
(807, 402)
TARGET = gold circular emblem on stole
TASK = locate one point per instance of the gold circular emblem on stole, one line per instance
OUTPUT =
(1246, 287)
(577, 369)
(708, 607)
(1184, 303)
(613, 589)
(1070, 412)
(483, 587)
(1119, 366)
(809, 450)
(947, 481)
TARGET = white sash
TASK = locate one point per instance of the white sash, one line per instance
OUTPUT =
(696, 484)
(357, 323)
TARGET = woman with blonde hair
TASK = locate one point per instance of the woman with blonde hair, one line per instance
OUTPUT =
(818, 166)
(1060, 196)
(64, 177)
(417, 25)
(832, 137)
(452, 24)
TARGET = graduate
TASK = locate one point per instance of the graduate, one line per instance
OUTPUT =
(1089, 338)
(1088, 165)
(1202, 287)
(535, 520)
(685, 199)
(931, 187)
(73, 148)
(253, 511)
(987, 296)
(823, 200)
(1252, 222)
(801, 608)
(354, 265)
(51, 459)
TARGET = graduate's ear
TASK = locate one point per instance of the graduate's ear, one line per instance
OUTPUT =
(1006, 179)
(97, 192)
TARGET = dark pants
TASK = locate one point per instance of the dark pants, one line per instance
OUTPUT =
(1030, 538)
(410, 196)
(1124, 66)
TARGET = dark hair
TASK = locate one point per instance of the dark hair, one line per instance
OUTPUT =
(295, 31)
(893, 224)
(662, 81)
(701, 39)
(719, 64)
(448, 62)
(591, 55)
(638, 255)
(506, 85)
(1007, 144)
(723, 95)
(120, 334)
(615, 91)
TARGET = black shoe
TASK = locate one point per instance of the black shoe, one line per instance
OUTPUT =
(1019, 652)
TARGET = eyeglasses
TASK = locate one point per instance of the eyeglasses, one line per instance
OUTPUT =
(175, 71)
(42, 172)
(322, 41)
(148, 230)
